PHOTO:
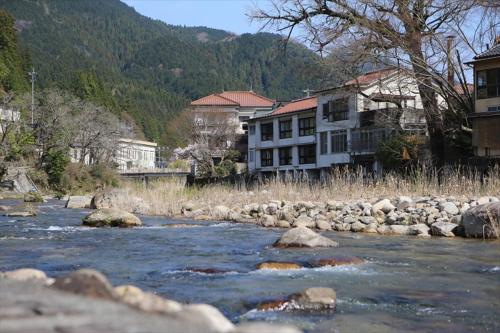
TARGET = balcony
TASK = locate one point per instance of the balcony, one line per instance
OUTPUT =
(365, 141)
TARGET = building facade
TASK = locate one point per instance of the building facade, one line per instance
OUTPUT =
(486, 116)
(338, 126)
(130, 155)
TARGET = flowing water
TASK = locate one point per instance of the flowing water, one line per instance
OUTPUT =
(406, 284)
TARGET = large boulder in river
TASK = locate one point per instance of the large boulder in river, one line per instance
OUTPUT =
(482, 221)
(79, 201)
(33, 197)
(110, 217)
(278, 265)
(120, 199)
(25, 274)
(314, 299)
(87, 282)
(303, 237)
(144, 301)
(445, 229)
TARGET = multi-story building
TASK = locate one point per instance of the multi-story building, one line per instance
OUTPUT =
(486, 116)
(285, 139)
(338, 126)
(230, 109)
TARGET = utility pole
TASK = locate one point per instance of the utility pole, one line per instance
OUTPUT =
(308, 92)
(32, 74)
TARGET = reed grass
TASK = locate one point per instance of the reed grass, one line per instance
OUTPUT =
(166, 197)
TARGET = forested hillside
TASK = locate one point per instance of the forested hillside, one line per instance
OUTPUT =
(104, 51)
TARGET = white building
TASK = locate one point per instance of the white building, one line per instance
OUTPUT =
(8, 116)
(285, 139)
(339, 126)
(130, 155)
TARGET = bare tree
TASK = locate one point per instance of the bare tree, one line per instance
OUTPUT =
(212, 138)
(409, 33)
(9, 118)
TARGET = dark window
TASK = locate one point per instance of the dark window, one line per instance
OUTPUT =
(307, 126)
(285, 129)
(323, 141)
(266, 131)
(266, 157)
(336, 110)
(307, 154)
(251, 129)
(488, 83)
(339, 141)
(285, 156)
(366, 118)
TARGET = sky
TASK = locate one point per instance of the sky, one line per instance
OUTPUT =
(229, 15)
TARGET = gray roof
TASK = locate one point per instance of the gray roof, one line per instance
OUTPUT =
(490, 53)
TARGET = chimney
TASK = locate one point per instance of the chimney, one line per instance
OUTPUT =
(449, 49)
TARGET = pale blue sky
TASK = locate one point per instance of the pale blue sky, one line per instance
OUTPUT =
(220, 14)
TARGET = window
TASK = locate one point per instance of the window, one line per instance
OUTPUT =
(266, 157)
(285, 129)
(336, 110)
(266, 131)
(307, 154)
(323, 141)
(339, 141)
(251, 129)
(493, 108)
(488, 83)
(251, 155)
(285, 156)
(307, 126)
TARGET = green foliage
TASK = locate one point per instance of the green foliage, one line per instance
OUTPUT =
(40, 178)
(55, 164)
(180, 164)
(397, 152)
(227, 167)
(104, 51)
(12, 62)
(20, 144)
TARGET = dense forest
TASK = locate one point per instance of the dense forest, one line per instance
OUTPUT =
(141, 69)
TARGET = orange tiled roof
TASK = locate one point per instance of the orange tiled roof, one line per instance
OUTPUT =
(370, 77)
(297, 105)
(236, 98)
(460, 89)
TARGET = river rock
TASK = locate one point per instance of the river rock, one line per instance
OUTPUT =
(282, 224)
(371, 228)
(384, 205)
(79, 201)
(443, 229)
(419, 229)
(404, 202)
(482, 221)
(206, 316)
(25, 274)
(110, 217)
(255, 327)
(267, 220)
(278, 265)
(21, 213)
(221, 212)
(367, 219)
(87, 282)
(120, 199)
(304, 221)
(303, 237)
(316, 298)
(398, 229)
(33, 197)
(358, 226)
(338, 261)
(144, 301)
(323, 225)
(449, 207)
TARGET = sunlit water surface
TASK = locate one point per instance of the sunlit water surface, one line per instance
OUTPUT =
(407, 284)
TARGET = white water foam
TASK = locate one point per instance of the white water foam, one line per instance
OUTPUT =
(187, 271)
(348, 269)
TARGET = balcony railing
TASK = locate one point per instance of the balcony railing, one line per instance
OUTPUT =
(367, 140)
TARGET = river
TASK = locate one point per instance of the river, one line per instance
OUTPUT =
(406, 284)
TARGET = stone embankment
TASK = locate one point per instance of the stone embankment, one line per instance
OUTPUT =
(85, 301)
(422, 216)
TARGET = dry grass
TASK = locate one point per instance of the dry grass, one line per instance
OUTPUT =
(166, 197)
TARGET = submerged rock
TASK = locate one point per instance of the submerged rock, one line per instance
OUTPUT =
(87, 282)
(206, 270)
(21, 213)
(79, 201)
(110, 217)
(278, 265)
(303, 237)
(338, 261)
(482, 221)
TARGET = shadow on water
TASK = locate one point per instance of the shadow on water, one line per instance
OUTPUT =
(406, 284)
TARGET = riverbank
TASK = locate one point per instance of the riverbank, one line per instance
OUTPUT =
(423, 216)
